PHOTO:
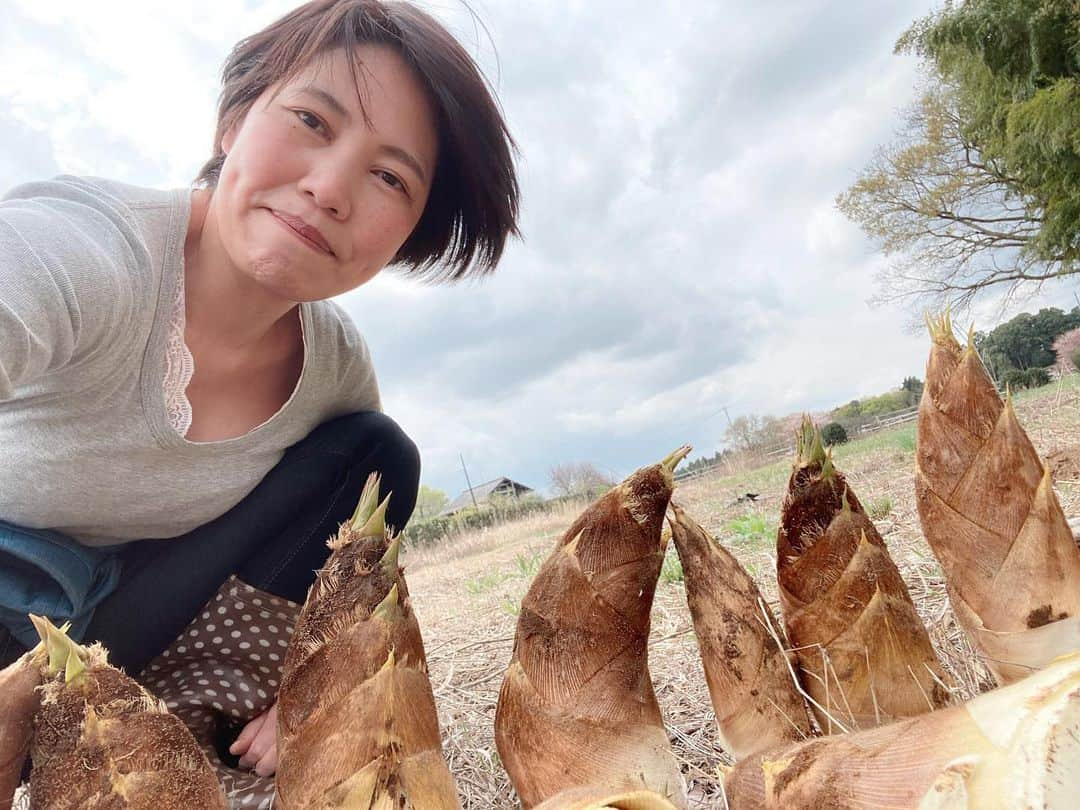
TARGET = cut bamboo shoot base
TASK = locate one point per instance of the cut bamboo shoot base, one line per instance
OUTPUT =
(1014, 747)
(596, 797)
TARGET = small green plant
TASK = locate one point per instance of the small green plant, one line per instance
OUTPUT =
(753, 529)
(881, 508)
(905, 440)
(671, 571)
(511, 607)
(485, 582)
(528, 564)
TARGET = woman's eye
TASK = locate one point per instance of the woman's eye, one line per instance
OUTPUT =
(391, 180)
(309, 120)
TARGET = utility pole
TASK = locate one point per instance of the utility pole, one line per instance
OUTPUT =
(468, 482)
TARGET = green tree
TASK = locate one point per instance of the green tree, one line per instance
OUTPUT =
(430, 501)
(1026, 341)
(912, 385)
(833, 433)
(982, 185)
(912, 388)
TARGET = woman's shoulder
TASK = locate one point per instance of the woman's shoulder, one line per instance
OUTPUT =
(71, 216)
(334, 325)
(111, 198)
(344, 352)
(81, 258)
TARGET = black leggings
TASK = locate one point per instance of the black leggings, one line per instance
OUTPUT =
(274, 539)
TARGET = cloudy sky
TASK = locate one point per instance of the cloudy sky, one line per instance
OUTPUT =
(679, 163)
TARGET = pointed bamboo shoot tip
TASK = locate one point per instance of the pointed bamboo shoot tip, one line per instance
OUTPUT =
(376, 524)
(940, 326)
(74, 666)
(389, 561)
(828, 469)
(971, 337)
(672, 460)
(388, 606)
(390, 660)
(38, 652)
(40, 624)
(810, 448)
(56, 646)
(369, 497)
(571, 547)
(845, 504)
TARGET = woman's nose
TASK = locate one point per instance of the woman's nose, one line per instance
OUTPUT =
(328, 189)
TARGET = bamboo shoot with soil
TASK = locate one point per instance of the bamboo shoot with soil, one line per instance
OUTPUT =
(864, 652)
(989, 513)
(101, 740)
(577, 705)
(357, 723)
(19, 702)
(1015, 747)
(751, 681)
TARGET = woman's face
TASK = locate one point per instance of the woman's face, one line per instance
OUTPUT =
(312, 199)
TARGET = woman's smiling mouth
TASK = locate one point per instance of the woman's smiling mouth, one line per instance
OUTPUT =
(307, 234)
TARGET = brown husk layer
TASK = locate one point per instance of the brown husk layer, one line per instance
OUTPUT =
(19, 701)
(1017, 746)
(865, 654)
(577, 705)
(101, 740)
(990, 514)
(749, 676)
(357, 722)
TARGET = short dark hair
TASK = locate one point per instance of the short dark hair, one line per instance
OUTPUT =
(474, 200)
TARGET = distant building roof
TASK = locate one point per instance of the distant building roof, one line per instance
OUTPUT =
(482, 494)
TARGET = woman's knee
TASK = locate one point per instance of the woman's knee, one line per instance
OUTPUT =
(397, 460)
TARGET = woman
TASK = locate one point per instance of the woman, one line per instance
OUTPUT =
(170, 366)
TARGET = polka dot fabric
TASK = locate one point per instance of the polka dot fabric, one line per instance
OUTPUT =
(226, 667)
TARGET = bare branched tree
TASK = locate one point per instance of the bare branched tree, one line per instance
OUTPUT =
(953, 222)
(579, 478)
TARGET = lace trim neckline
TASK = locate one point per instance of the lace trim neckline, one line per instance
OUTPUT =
(179, 367)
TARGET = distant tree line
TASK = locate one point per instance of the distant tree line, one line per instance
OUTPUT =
(906, 396)
(1020, 352)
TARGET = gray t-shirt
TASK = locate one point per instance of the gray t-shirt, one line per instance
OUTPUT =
(89, 270)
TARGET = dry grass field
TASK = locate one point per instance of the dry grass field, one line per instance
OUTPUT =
(466, 591)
